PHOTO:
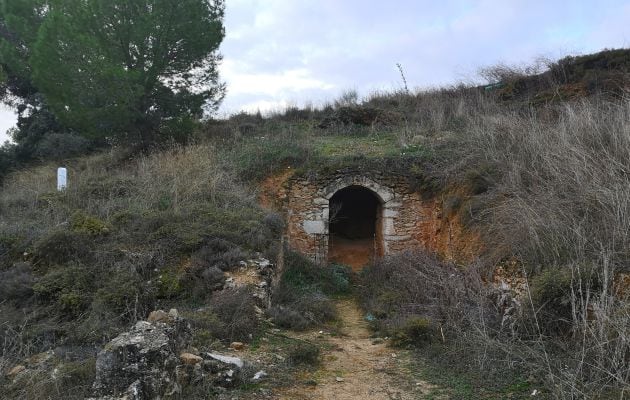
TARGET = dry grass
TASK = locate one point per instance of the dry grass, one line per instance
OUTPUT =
(85, 263)
(557, 196)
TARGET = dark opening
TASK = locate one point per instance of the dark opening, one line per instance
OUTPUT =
(354, 217)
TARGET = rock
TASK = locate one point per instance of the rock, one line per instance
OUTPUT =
(377, 340)
(259, 375)
(339, 379)
(190, 359)
(227, 359)
(237, 345)
(141, 363)
(16, 370)
(160, 316)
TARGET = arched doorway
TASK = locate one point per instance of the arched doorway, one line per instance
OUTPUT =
(354, 227)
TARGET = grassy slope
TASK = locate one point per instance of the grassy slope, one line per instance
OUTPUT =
(78, 267)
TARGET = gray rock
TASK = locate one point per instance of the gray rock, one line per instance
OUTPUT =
(227, 359)
(141, 363)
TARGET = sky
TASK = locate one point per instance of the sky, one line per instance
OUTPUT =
(287, 52)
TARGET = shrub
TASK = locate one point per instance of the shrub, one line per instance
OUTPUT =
(303, 311)
(219, 253)
(198, 283)
(554, 292)
(168, 284)
(236, 310)
(416, 331)
(257, 159)
(60, 246)
(68, 288)
(57, 146)
(122, 293)
(303, 353)
(16, 283)
(301, 297)
(409, 290)
(7, 250)
(206, 326)
(87, 224)
(275, 223)
(302, 274)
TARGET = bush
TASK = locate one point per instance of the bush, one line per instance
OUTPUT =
(554, 292)
(69, 289)
(198, 283)
(236, 310)
(408, 292)
(303, 311)
(16, 283)
(60, 246)
(415, 331)
(87, 224)
(7, 250)
(58, 146)
(168, 284)
(302, 274)
(257, 159)
(301, 297)
(122, 293)
(218, 253)
(303, 353)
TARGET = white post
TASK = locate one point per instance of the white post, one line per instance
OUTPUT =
(62, 179)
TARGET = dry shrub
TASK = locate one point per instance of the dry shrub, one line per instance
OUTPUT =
(16, 283)
(303, 353)
(235, 310)
(416, 286)
(302, 297)
(559, 202)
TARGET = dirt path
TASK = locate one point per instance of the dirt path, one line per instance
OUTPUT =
(358, 368)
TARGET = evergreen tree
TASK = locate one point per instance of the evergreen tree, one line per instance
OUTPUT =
(129, 69)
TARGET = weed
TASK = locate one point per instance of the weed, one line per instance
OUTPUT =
(303, 354)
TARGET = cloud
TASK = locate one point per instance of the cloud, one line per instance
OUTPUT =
(281, 82)
(357, 43)
(8, 119)
(281, 52)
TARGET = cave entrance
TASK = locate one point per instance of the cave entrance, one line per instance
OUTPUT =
(355, 227)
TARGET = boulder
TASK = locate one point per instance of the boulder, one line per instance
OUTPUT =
(237, 345)
(190, 359)
(141, 363)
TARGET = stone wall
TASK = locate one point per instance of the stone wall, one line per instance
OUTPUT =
(307, 209)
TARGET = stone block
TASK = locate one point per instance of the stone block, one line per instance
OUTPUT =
(388, 226)
(389, 213)
(314, 227)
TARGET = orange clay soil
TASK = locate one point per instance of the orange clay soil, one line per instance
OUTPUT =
(271, 190)
(355, 253)
(355, 368)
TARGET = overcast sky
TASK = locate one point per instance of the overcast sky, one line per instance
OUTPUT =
(288, 52)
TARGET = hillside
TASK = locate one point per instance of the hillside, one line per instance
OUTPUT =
(529, 176)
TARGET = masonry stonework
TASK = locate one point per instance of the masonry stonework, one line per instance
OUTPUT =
(307, 206)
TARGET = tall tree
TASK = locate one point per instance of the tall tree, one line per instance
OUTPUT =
(129, 69)
(19, 25)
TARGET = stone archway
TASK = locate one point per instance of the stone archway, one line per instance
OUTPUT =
(308, 202)
(355, 226)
